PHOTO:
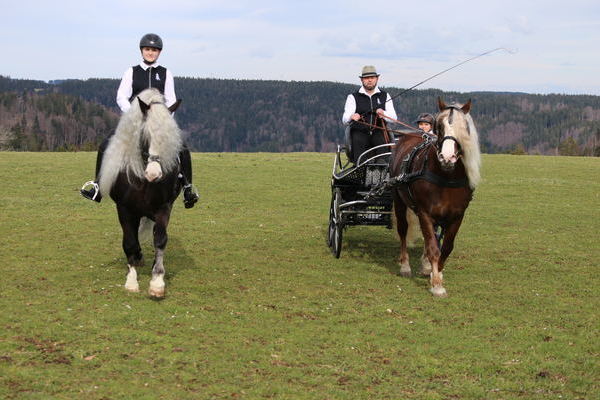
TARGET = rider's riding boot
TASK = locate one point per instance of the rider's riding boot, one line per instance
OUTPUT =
(190, 195)
(90, 191)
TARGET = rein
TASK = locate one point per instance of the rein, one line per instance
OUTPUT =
(405, 176)
(386, 129)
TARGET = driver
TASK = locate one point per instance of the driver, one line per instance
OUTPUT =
(145, 75)
(366, 104)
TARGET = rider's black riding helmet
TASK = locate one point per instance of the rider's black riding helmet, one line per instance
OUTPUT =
(151, 40)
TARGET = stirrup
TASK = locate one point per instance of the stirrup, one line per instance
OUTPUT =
(87, 193)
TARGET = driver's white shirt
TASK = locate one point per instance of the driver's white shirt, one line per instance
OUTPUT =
(350, 106)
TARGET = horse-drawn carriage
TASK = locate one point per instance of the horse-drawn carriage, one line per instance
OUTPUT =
(432, 174)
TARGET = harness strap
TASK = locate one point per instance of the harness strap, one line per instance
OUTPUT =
(417, 133)
(403, 180)
(443, 182)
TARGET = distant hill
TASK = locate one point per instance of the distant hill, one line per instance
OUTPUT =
(36, 117)
(279, 116)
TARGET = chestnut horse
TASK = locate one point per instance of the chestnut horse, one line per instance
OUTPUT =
(435, 175)
(140, 172)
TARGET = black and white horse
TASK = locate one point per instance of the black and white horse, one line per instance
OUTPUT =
(140, 173)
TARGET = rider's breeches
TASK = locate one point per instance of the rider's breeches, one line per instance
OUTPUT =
(101, 150)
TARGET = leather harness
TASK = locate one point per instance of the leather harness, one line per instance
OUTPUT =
(407, 175)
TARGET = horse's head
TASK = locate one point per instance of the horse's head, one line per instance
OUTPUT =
(145, 107)
(451, 126)
(160, 133)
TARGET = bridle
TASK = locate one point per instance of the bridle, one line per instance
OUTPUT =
(441, 139)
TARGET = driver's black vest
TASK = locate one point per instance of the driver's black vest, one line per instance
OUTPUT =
(366, 107)
(153, 77)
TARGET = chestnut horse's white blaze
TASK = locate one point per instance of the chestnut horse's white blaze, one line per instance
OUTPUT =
(449, 153)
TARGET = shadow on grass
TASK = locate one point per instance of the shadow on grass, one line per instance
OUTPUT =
(383, 251)
(176, 259)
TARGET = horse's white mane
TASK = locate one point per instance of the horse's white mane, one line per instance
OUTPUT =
(463, 129)
(124, 152)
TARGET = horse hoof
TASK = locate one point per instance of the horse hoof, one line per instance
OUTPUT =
(132, 288)
(438, 291)
(426, 272)
(158, 293)
(405, 273)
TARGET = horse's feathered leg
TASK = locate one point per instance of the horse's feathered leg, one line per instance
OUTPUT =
(157, 283)
(433, 254)
(425, 263)
(131, 282)
(402, 228)
(131, 246)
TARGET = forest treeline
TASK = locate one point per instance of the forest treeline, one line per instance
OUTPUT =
(280, 116)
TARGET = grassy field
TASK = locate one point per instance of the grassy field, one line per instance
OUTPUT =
(257, 307)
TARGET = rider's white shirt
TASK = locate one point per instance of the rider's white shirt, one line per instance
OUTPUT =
(350, 106)
(126, 88)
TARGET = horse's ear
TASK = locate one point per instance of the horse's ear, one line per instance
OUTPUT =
(143, 106)
(441, 104)
(467, 107)
(175, 105)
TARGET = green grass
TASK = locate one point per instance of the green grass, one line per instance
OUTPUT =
(258, 308)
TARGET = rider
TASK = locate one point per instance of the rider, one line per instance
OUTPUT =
(366, 104)
(425, 121)
(137, 78)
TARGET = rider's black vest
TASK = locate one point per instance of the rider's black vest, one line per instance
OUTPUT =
(153, 77)
(366, 107)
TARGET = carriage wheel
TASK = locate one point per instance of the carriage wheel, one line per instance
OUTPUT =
(336, 225)
(331, 229)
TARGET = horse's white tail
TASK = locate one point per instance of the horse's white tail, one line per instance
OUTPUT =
(414, 230)
(146, 230)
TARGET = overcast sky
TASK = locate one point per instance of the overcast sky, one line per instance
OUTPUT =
(554, 43)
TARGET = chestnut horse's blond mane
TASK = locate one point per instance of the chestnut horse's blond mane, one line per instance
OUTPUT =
(463, 129)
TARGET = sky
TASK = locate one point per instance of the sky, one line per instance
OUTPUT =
(547, 46)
